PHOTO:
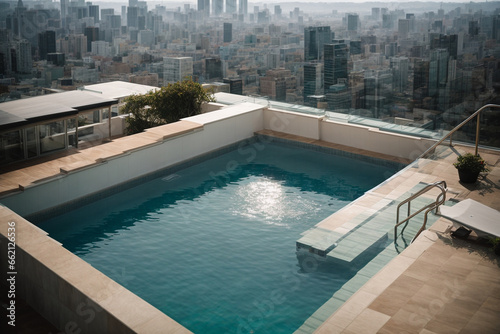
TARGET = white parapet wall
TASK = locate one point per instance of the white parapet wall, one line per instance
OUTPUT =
(353, 135)
(373, 139)
(293, 123)
(217, 129)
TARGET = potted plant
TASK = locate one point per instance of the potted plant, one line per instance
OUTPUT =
(469, 166)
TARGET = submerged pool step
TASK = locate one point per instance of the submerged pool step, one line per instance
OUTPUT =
(350, 240)
(376, 229)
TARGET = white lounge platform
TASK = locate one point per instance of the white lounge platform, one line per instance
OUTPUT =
(478, 217)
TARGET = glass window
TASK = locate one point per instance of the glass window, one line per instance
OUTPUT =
(52, 136)
(31, 144)
(71, 124)
(11, 147)
(89, 118)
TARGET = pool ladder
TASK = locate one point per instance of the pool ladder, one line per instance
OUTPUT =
(440, 199)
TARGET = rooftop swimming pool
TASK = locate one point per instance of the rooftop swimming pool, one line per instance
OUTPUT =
(213, 244)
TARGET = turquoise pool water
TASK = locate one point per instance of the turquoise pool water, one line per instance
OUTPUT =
(213, 245)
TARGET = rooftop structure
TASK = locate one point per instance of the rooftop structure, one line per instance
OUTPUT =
(49, 123)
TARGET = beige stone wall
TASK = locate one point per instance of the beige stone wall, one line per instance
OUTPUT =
(70, 293)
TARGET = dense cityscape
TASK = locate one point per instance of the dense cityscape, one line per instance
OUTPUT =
(220, 166)
(419, 63)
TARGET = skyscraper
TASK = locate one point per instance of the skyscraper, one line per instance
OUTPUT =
(336, 56)
(24, 62)
(63, 13)
(46, 43)
(177, 69)
(231, 6)
(228, 32)
(94, 12)
(213, 69)
(133, 17)
(243, 8)
(378, 91)
(314, 40)
(312, 82)
(400, 66)
(352, 22)
(217, 7)
(92, 34)
(204, 6)
(403, 28)
(235, 85)
(277, 10)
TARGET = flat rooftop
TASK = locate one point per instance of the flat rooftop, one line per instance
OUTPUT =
(50, 106)
(438, 284)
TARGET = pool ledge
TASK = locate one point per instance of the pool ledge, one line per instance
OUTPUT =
(68, 291)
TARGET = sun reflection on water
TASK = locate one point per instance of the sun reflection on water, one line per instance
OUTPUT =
(270, 201)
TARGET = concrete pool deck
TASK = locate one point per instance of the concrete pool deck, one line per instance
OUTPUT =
(438, 284)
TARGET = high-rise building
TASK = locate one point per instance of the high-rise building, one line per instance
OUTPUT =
(124, 15)
(46, 43)
(335, 59)
(313, 85)
(355, 47)
(235, 85)
(133, 17)
(204, 6)
(101, 48)
(107, 11)
(23, 59)
(438, 70)
(231, 6)
(496, 28)
(338, 97)
(57, 58)
(403, 28)
(449, 42)
(228, 32)
(64, 13)
(76, 45)
(314, 40)
(378, 91)
(391, 49)
(243, 7)
(177, 69)
(213, 69)
(18, 20)
(277, 10)
(275, 84)
(352, 22)
(146, 37)
(5, 54)
(473, 28)
(92, 34)
(399, 66)
(115, 21)
(94, 12)
(217, 7)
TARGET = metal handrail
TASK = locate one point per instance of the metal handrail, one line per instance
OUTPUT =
(440, 199)
(476, 113)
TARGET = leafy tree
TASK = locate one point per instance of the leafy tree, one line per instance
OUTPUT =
(166, 105)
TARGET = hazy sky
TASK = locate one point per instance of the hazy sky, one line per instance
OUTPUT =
(194, 2)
